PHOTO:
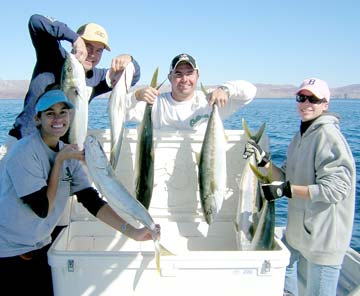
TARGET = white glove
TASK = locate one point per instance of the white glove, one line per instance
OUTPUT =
(262, 157)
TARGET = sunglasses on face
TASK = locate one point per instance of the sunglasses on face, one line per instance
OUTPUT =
(311, 99)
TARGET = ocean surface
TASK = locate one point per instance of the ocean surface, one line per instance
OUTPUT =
(281, 120)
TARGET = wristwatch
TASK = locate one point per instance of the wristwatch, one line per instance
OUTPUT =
(225, 89)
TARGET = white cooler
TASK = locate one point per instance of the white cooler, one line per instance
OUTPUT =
(90, 258)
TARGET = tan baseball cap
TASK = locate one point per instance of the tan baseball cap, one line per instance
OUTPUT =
(94, 32)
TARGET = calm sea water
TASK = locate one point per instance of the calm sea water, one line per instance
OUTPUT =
(282, 122)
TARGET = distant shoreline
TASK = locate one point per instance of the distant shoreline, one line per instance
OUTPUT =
(15, 89)
(264, 98)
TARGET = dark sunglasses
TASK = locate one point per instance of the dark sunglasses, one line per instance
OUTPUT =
(311, 99)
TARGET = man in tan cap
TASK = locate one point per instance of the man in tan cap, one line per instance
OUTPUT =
(88, 43)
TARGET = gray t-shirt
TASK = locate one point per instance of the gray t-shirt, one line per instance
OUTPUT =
(26, 170)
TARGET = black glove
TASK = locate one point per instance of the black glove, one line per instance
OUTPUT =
(276, 190)
(262, 157)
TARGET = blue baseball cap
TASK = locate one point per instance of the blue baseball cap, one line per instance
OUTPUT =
(51, 98)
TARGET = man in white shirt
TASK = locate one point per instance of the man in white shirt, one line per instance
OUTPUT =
(185, 107)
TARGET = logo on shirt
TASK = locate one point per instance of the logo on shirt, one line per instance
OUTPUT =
(69, 177)
(198, 118)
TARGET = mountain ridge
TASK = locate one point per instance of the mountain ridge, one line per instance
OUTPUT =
(15, 89)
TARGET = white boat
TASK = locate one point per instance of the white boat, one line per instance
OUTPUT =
(90, 258)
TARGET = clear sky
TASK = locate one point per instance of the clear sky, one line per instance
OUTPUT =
(263, 41)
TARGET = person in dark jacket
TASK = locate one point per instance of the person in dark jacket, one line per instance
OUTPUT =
(88, 43)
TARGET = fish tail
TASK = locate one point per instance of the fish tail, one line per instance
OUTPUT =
(265, 179)
(165, 252)
(256, 137)
(154, 78)
(157, 255)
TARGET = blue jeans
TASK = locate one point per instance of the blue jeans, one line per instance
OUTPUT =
(321, 280)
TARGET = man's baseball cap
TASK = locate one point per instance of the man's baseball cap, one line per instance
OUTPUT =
(317, 87)
(51, 98)
(94, 32)
(183, 58)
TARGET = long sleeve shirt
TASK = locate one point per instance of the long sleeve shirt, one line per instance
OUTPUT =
(193, 114)
(47, 36)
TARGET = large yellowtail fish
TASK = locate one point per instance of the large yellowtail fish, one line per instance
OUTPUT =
(144, 178)
(250, 200)
(119, 198)
(253, 212)
(212, 166)
(117, 112)
(73, 84)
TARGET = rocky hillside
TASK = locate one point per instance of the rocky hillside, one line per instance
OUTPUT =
(17, 89)
(288, 91)
(12, 89)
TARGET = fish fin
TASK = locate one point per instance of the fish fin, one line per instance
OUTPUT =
(259, 133)
(161, 84)
(197, 157)
(204, 89)
(237, 228)
(112, 158)
(265, 179)
(246, 129)
(165, 252)
(157, 255)
(153, 82)
(160, 250)
(256, 137)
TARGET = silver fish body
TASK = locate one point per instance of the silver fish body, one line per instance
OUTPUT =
(107, 183)
(73, 84)
(117, 112)
(145, 155)
(212, 167)
(249, 205)
(119, 198)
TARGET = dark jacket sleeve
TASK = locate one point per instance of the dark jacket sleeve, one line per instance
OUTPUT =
(43, 29)
(137, 74)
(38, 202)
(90, 199)
(46, 35)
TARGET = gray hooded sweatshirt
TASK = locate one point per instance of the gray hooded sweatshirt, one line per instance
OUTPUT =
(321, 227)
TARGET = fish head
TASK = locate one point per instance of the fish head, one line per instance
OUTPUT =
(74, 66)
(73, 81)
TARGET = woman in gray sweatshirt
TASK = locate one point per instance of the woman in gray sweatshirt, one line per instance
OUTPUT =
(319, 178)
